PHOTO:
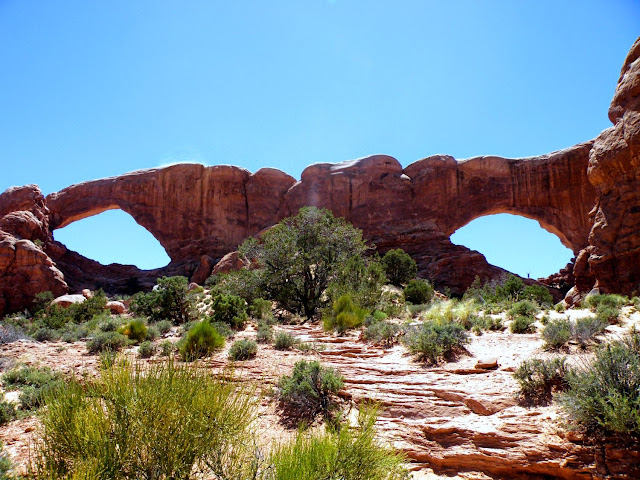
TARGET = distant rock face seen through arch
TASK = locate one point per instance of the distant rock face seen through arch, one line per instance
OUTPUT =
(588, 195)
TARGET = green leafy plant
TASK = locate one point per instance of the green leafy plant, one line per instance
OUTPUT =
(301, 255)
(284, 340)
(557, 333)
(524, 308)
(243, 350)
(538, 294)
(264, 332)
(435, 339)
(309, 388)
(260, 309)
(146, 349)
(147, 421)
(418, 291)
(348, 453)
(229, 309)
(7, 412)
(33, 383)
(604, 396)
(399, 267)
(170, 300)
(586, 328)
(106, 341)
(608, 314)
(540, 379)
(344, 315)
(201, 341)
(135, 330)
(163, 326)
(383, 332)
(522, 324)
(362, 278)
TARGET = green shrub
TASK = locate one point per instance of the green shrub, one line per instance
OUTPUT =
(607, 313)
(7, 412)
(434, 339)
(559, 307)
(485, 322)
(34, 383)
(556, 333)
(524, 308)
(160, 421)
(362, 278)
(45, 334)
(609, 300)
(41, 301)
(223, 329)
(264, 333)
(163, 326)
(146, 349)
(538, 294)
(586, 328)
(110, 324)
(511, 289)
(135, 330)
(260, 309)
(382, 332)
(166, 348)
(399, 267)
(201, 341)
(244, 283)
(350, 453)
(229, 309)
(284, 341)
(170, 300)
(5, 465)
(106, 341)
(344, 315)
(152, 333)
(309, 388)
(540, 379)
(418, 291)
(605, 395)
(243, 350)
(522, 324)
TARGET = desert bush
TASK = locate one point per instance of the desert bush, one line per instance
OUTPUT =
(229, 309)
(559, 307)
(524, 308)
(260, 309)
(435, 339)
(522, 324)
(399, 267)
(166, 348)
(106, 341)
(163, 326)
(245, 283)
(223, 329)
(418, 291)
(604, 396)
(33, 383)
(284, 340)
(243, 350)
(10, 333)
(169, 300)
(137, 421)
(146, 349)
(540, 379)
(152, 333)
(5, 465)
(135, 330)
(110, 324)
(309, 388)
(7, 412)
(538, 294)
(310, 347)
(382, 332)
(45, 334)
(344, 315)
(610, 300)
(556, 333)
(264, 333)
(41, 301)
(201, 341)
(586, 328)
(349, 453)
(486, 322)
(608, 314)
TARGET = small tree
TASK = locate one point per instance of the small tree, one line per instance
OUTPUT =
(399, 267)
(301, 255)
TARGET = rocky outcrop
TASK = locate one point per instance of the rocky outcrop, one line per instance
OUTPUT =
(612, 258)
(25, 269)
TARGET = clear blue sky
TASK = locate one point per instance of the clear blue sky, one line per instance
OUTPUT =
(99, 88)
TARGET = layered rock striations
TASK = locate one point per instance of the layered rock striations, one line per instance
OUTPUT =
(611, 262)
(588, 195)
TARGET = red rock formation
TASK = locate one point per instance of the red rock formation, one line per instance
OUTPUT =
(25, 269)
(612, 258)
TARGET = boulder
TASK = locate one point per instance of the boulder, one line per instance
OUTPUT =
(116, 308)
(66, 301)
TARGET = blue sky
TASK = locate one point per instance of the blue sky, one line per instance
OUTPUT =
(94, 89)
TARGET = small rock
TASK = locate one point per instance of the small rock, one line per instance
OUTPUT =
(29, 429)
(66, 301)
(487, 363)
(115, 307)
(86, 293)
